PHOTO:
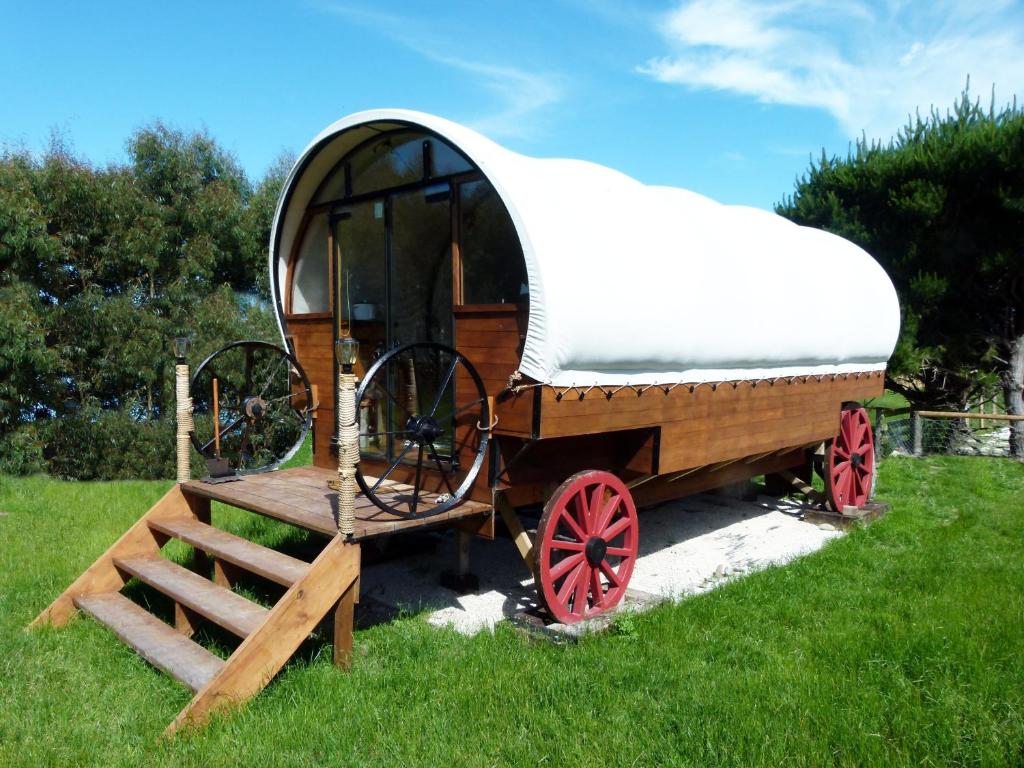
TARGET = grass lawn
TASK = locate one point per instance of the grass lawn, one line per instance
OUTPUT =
(902, 643)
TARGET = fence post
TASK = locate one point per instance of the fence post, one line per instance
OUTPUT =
(915, 431)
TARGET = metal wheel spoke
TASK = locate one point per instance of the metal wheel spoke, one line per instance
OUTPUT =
(408, 446)
(230, 427)
(395, 401)
(444, 384)
(285, 397)
(433, 455)
(416, 483)
(459, 411)
(270, 379)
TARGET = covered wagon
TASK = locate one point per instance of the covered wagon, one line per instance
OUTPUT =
(544, 341)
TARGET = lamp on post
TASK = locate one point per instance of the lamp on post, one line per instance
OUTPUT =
(346, 350)
(183, 407)
(182, 346)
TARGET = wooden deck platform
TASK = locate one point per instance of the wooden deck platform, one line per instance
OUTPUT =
(301, 497)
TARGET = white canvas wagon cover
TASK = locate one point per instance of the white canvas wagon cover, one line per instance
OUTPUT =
(638, 284)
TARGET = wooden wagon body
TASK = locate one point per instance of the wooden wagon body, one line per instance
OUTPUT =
(650, 332)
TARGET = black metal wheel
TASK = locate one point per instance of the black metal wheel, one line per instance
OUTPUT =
(423, 409)
(264, 406)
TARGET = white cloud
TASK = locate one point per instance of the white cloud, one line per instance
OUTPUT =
(521, 95)
(868, 65)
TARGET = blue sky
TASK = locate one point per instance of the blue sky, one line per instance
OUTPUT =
(729, 98)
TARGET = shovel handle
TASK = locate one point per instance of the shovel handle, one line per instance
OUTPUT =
(216, 420)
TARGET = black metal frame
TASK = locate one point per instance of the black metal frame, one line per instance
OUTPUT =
(307, 422)
(457, 495)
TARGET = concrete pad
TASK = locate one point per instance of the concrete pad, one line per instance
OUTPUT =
(686, 547)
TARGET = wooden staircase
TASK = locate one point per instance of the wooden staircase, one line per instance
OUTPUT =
(269, 636)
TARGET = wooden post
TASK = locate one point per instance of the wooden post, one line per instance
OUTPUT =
(462, 542)
(915, 432)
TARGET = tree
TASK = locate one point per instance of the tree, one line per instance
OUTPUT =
(101, 268)
(941, 207)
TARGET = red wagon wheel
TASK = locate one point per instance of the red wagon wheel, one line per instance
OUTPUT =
(850, 460)
(588, 538)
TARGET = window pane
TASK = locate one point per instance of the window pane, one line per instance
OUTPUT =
(446, 160)
(393, 160)
(493, 270)
(310, 280)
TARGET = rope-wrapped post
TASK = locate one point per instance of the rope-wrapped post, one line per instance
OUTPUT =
(183, 410)
(348, 452)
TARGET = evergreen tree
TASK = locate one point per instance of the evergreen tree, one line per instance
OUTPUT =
(941, 207)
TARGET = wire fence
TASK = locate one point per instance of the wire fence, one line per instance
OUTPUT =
(921, 433)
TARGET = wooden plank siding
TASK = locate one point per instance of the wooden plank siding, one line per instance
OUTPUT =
(695, 427)
(313, 339)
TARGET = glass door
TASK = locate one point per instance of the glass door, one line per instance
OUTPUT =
(360, 267)
(420, 261)
(393, 267)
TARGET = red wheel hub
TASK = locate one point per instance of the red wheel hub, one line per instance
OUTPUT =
(850, 461)
(588, 538)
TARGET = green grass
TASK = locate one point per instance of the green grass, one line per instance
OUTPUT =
(901, 643)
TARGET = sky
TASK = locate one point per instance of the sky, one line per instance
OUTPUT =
(729, 98)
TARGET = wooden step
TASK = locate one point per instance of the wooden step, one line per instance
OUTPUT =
(220, 605)
(279, 568)
(185, 661)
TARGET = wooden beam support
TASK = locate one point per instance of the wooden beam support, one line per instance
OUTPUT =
(519, 535)
(344, 623)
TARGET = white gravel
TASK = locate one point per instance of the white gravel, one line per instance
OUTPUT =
(686, 547)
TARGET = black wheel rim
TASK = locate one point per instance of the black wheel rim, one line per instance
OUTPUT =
(437, 432)
(265, 405)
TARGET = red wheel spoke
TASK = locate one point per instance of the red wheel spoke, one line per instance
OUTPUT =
(570, 584)
(596, 589)
(571, 546)
(573, 525)
(608, 571)
(618, 552)
(607, 512)
(583, 511)
(564, 566)
(620, 526)
(579, 599)
(596, 509)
